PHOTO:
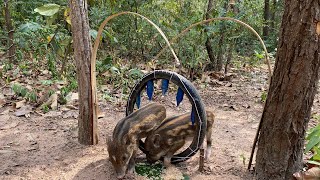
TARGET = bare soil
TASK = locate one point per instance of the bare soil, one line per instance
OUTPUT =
(46, 146)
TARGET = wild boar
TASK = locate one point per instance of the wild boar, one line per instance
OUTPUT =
(172, 134)
(123, 144)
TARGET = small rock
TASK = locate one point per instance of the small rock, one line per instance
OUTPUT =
(228, 84)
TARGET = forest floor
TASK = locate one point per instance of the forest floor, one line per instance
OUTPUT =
(45, 146)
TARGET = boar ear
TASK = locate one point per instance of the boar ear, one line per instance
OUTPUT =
(156, 140)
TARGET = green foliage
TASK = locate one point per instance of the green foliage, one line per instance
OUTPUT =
(19, 90)
(32, 96)
(150, 171)
(313, 141)
(263, 97)
(43, 38)
(71, 86)
(45, 108)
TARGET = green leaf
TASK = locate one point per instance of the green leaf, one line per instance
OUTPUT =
(48, 9)
(314, 162)
(314, 132)
(135, 73)
(114, 70)
(46, 82)
(313, 142)
(93, 33)
(112, 38)
(316, 155)
(29, 27)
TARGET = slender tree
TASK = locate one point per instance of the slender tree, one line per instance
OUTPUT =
(208, 41)
(291, 93)
(87, 122)
(10, 30)
(266, 18)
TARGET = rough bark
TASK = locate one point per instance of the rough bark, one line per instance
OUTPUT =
(208, 41)
(10, 30)
(291, 93)
(266, 17)
(87, 122)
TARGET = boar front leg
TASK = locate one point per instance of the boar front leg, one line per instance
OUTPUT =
(131, 164)
(174, 148)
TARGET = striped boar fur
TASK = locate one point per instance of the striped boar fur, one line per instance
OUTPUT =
(171, 135)
(123, 144)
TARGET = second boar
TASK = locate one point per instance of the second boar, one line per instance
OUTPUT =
(171, 135)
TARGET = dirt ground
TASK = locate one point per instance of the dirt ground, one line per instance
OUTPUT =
(46, 147)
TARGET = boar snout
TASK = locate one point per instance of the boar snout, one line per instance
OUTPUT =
(120, 174)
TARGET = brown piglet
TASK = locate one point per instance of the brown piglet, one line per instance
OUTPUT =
(172, 134)
(123, 144)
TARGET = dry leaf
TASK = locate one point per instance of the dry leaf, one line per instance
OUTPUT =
(53, 114)
(100, 114)
(2, 102)
(44, 97)
(311, 174)
(71, 114)
(19, 104)
(54, 101)
(23, 111)
(7, 91)
(71, 97)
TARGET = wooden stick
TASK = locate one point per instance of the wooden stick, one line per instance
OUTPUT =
(201, 162)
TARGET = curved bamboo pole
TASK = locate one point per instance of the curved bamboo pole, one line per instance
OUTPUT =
(103, 24)
(95, 50)
(173, 40)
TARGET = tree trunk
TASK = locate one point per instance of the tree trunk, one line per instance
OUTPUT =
(208, 41)
(10, 30)
(273, 15)
(229, 57)
(266, 17)
(291, 93)
(221, 42)
(220, 50)
(82, 53)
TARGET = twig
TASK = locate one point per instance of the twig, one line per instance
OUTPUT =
(201, 162)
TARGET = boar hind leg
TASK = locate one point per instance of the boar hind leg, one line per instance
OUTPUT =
(174, 148)
(210, 121)
(209, 144)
